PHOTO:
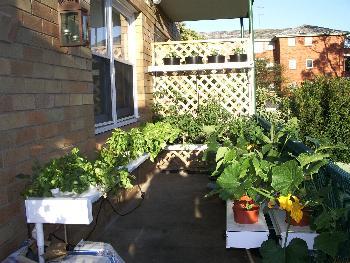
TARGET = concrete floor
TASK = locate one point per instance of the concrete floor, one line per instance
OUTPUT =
(174, 224)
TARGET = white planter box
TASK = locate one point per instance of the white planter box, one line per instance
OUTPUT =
(75, 209)
(303, 232)
(245, 235)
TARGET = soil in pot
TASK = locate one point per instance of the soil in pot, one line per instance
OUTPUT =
(194, 60)
(238, 58)
(216, 59)
(171, 61)
(244, 216)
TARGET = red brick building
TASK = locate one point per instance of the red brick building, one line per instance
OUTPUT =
(304, 52)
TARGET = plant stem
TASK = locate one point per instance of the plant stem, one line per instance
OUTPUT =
(262, 193)
(288, 226)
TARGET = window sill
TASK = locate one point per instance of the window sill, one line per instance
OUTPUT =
(103, 133)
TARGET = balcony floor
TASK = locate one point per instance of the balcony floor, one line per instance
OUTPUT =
(174, 224)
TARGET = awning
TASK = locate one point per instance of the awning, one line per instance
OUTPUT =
(194, 10)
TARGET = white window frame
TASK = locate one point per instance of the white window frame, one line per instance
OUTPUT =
(308, 41)
(312, 62)
(292, 64)
(270, 45)
(128, 11)
(291, 42)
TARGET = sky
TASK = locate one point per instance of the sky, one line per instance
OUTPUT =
(287, 13)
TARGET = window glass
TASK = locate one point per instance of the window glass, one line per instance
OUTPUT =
(270, 46)
(292, 64)
(308, 41)
(102, 89)
(124, 89)
(291, 41)
(347, 64)
(98, 31)
(120, 36)
(309, 63)
(258, 47)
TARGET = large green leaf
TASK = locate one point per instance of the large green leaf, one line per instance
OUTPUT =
(228, 182)
(329, 242)
(272, 252)
(221, 153)
(306, 158)
(286, 177)
(297, 251)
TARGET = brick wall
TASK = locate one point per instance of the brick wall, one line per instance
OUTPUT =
(327, 53)
(46, 103)
(46, 96)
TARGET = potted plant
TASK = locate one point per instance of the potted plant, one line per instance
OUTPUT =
(195, 58)
(171, 59)
(245, 211)
(215, 57)
(238, 56)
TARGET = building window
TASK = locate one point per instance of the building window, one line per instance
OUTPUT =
(347, 42)
(292, 64)
(347, 64)
(308, 41)
(270, 46)
(113, 64)
(291, 41)
(309, 63)
(258, 47)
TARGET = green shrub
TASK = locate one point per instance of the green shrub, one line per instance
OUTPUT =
(323, 109)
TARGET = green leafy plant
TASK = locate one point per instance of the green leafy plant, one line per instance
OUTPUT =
(238, 50)
(171, 55)
(70, 173)
(214, 52)
(323, 109)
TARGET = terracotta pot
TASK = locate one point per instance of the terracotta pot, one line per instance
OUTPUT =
(242, 215)
(194, 60)
(305, 220)
(171, 61)
(216, 59)
(238, 58)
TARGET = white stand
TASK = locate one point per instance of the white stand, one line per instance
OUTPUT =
(245, 235)
(303, 232)
(72, 209)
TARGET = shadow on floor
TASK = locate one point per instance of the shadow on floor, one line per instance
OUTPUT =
(174, 224)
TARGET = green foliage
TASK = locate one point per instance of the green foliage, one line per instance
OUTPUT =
(295, 252)
(269, 80)
(329, 242)
(287, 177)
(323, 109)
(188, 34)
(70, 173)
(210, 119)
(74, 173)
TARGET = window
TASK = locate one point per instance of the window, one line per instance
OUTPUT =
(347, 64)
(309, 63)
(291, 41)
(308, 41)
(347, 42)
(258, 47)
(292, 64)
(270, 46)
(113, 63)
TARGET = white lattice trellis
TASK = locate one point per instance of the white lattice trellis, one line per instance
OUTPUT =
(185, 90)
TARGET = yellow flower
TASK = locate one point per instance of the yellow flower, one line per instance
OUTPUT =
(291, 204)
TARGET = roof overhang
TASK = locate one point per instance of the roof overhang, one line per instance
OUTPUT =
(194, 10)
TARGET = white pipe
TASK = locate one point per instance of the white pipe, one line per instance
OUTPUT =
(40, 241)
